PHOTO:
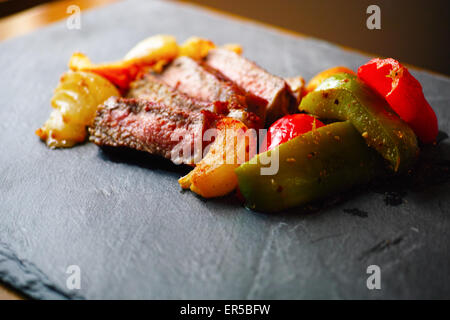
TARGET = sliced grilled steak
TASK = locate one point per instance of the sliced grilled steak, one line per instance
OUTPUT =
(170, 131)
(273, 93)
(187, 76)
(202, 83)
(296, 85)
(153, 89)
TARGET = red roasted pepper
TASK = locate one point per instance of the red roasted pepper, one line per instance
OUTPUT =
(403, 93)
(288, 128)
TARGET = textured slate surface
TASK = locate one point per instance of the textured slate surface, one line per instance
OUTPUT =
(135, 235)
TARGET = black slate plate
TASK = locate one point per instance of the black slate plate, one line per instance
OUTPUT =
(126, 224)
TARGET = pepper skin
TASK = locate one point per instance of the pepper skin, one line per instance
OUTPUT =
(321, 76)
(345, 97)
(311, 166)
(403, 93)
(289, 127)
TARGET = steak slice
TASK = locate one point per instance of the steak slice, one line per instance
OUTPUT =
(167, 130)
(186, 75)
(205, 84)
(296, 85)
(153, 89)
(272, 92)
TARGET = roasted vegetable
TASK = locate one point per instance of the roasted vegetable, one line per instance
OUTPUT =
(344, 97)
(311, 166)
(60, 134)
(155, 48)
(75, 101)
(196, 48)
(403, 93)
(214, 175)
(151, 52)
(321, 76)
(288, 127)
(120, 73)
(236, 48)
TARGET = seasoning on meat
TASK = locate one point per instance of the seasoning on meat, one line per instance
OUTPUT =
(271, 96)
(204, 84)
(153, 89)
(189, 77)
(171, 131)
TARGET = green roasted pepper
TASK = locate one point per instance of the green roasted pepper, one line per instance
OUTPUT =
(311, 166)
(344, 97)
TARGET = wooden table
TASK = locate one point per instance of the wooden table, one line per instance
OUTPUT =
(8, 294)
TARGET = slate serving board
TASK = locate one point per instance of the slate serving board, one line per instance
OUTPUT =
(123, 220)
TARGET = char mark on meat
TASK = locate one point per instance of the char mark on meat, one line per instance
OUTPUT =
(272, 98)
(189, 77)
(153, 89)
(167, 130)
(296, 86)
(205, 84)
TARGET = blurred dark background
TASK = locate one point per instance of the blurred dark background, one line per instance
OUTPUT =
(8, 7)
(414, 31)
